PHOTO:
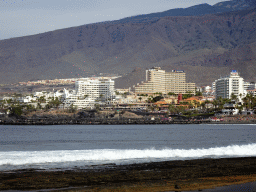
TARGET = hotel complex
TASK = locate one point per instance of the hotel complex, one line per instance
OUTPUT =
(88, 91)
(225, 86)
(158, 80)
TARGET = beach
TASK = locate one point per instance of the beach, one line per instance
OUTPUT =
(179, 175)
(126, 157)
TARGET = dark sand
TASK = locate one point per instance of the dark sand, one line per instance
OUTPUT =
(186, 175)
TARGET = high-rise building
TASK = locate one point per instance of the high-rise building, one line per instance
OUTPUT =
(88, 91)
(232, 84)
(158, 80)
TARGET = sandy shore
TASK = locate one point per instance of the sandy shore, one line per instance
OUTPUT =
(156, 176)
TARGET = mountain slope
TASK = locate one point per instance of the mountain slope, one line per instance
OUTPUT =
(197, 10)
(204, 46)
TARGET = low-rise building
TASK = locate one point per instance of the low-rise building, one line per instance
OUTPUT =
(252, 92)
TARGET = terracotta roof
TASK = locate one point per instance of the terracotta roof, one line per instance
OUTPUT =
(160, 102)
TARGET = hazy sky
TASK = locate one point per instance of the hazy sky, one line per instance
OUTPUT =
(28, 17)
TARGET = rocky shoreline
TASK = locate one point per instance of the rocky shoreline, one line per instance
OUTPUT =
(169, 175)
(123, 121)
(110, 118)
(118, 122)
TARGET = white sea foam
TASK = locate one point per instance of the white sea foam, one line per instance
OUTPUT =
(71, 157)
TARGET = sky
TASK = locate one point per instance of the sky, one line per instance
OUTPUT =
(28, 17)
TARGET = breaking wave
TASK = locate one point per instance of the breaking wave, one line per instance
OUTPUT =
(68, 158)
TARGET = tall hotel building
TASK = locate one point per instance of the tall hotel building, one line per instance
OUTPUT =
(158, 80)
(87, 91)
(225, 86)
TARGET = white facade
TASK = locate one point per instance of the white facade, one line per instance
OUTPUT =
(158, 80)
(252, 92)
(88, 92)
(26, 99)
(230, 108)
(249, 85)
(228, 85)
(95, 88)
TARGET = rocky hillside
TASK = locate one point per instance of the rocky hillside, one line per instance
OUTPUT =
(206, 47)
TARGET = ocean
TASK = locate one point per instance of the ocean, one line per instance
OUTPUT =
(84, 146)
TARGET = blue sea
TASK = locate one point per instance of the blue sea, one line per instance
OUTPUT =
(81, 146)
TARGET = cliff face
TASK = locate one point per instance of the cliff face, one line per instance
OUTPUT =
(206, 47)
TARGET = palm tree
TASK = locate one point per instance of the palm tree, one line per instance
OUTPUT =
(246, 102)
(233, 97)
(250, 97)
(215, 103)
(203, 105)
(172, 108)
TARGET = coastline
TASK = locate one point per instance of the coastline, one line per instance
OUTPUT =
(110, 118)
(187, 175)
(126, 121)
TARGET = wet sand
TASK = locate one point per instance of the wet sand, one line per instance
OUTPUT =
(186, 175)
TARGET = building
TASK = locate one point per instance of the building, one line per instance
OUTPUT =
(160, 81)
(224, 87)
(230, 108)
(252, 92)
(89, 92)
(249, 85)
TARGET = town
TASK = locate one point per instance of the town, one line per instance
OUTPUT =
(163, 96)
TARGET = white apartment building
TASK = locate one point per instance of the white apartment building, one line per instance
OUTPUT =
(88, 92)
(225, 86)
(158, 80)
(249, 85)
(214, 86)
(252, 92)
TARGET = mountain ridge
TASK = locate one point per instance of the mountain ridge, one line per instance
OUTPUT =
(204, 46)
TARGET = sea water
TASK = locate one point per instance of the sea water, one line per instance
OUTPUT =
(81, 146)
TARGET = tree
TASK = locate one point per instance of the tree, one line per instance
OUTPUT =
(97, 107)
(54, 103)
(221, 102)
(72, 108)
(2, 104)
(198, 93)
(140, 99)
(187, 95)
(41, 99)
(157, 98)
(16, 110)
(215, 103)
(101, 96)
(203, 105)
(172, 109)
(246, 102)
(9, 101)
(233, 97)
(149, 100)
(190, 105)
(171, 93)
(39, 106)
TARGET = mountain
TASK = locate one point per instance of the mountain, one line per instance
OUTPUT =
(197, 10)
(205, 46)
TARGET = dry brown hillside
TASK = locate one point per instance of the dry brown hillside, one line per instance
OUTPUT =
(206, 47)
